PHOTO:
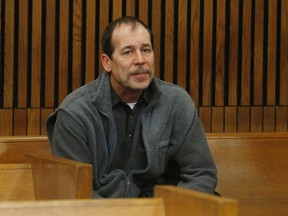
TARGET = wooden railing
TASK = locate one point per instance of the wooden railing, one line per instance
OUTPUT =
(231, 56)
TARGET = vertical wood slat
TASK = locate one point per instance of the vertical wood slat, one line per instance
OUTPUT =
(63, 49)
(130, 7)
(256, 119)
(104, 20)
(182, 47)
(217, 119)
(117, 9)
(258, 53)
(246, 53)
(20, 122)
(207, 53)
(281, 118)
(77, 44)
(194, 51)
(220, 54)
(6, 123)
(9, 54)
(169, 39)
(143, 11)
(269, 118)
(271, 52)
(230, 123)
(156, 24)
(45, 112)
(90, 56)
(284, 54)
(33, 121)
(50, 53)
(205, 115)
(22, 54)
(233, 54)
(243, 118)
(36, 53)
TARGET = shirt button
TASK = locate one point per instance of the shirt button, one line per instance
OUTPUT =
(130, 135)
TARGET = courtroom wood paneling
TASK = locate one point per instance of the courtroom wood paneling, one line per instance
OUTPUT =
(36, 53)
(228, 55)
(50, 29)
(283, 88)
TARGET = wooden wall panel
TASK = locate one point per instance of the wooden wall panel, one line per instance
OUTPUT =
(207, 53)
(181, 47)
(243, 119)
(258, 53)
(90, 37)
(6, 122)
(169, 41)
(246, 51)
(36, 54)
(271, 53)
(62, 85)
(20, 122)
(230, 119)
(230, 56)
(284, 54)
(9, 54)
(50, 51)
(219, 68)
(77, 44)
(195, 51)
(217, 124)
(281, 118)
(22, 75)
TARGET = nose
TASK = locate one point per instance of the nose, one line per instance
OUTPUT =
(139, 59)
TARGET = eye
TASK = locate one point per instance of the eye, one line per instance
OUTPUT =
(127, 52)
(147, 50)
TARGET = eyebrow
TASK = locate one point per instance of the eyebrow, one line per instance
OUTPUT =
(131, 46)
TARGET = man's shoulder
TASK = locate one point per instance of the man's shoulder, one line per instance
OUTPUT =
(170, 89)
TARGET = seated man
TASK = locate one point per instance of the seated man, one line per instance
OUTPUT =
(135, 130)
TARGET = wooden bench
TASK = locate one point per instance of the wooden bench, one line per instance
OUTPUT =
(169, 201)
(253, 168)
(13, 149)
(29, 171)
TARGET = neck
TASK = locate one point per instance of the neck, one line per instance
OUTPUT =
(130, 96)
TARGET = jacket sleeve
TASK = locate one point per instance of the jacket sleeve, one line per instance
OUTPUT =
(67, 138)
(196, 165)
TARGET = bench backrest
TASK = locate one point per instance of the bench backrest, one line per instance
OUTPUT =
(29, 171)
(14, 148)
(253, 168)
(45, 177)
(169, 201)
(185, 202)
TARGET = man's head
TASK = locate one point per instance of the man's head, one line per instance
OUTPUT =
(106, 41)
(128, 56)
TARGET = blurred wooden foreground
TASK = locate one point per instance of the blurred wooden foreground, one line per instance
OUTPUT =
(231, 56)
(45, 177)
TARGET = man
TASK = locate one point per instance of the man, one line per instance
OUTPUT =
(135, 130)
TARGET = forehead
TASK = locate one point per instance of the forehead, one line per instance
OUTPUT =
(130, 34)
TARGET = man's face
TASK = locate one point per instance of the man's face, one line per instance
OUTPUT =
(132, 62)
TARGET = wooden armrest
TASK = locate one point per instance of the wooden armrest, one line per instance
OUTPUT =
(99, 207)
(59, 178)
(181, 201)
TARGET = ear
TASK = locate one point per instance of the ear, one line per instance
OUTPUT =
(106, 62)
